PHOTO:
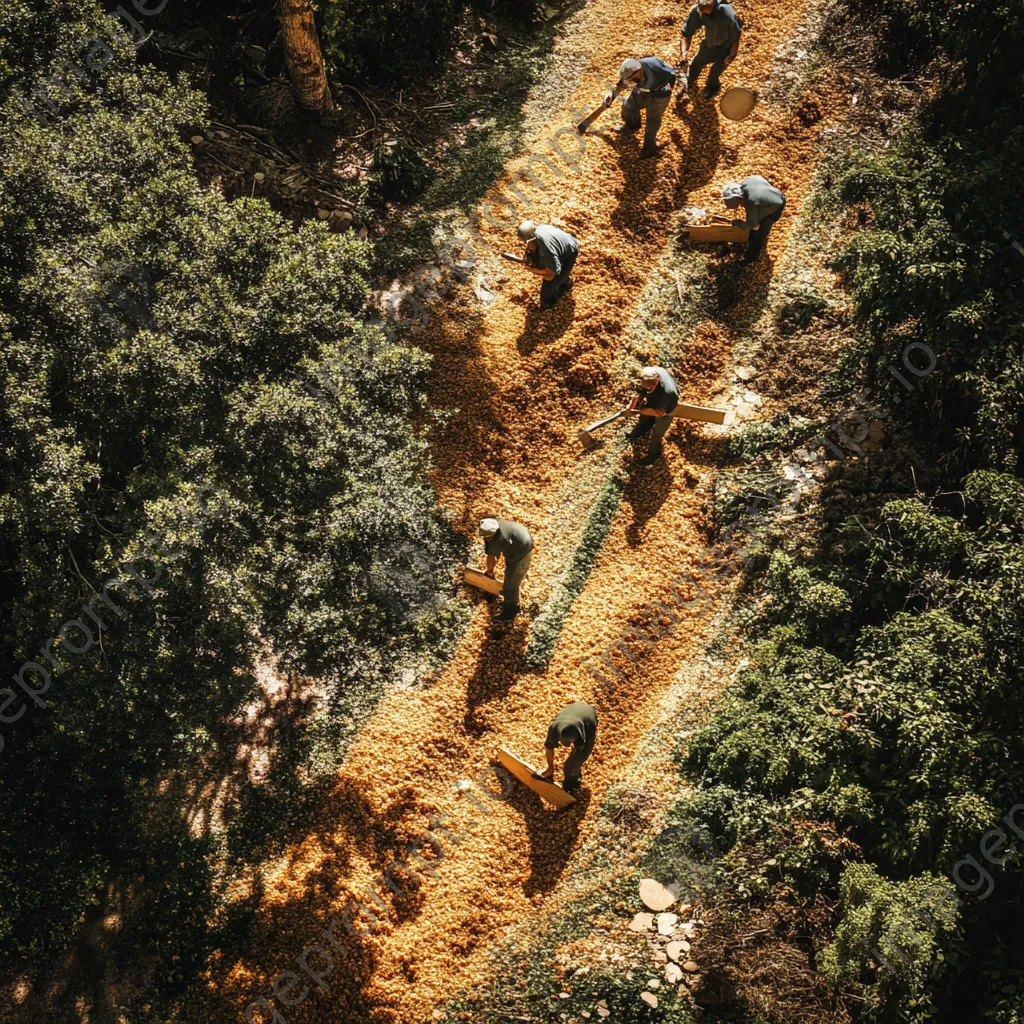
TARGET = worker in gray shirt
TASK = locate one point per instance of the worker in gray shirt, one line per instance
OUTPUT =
(654, 404)
(551, 255)
(763, 205)
(574, 727)
(722, 31)
(503, 537)
(650, 81)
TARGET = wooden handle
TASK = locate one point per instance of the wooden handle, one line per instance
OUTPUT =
(512, 258)
(590, 119)
(605, 421)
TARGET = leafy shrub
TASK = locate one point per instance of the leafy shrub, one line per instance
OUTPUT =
(156, 340)
(382, 39)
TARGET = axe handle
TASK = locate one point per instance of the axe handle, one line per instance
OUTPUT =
(590, 119)
(606, 421)
(512, 258)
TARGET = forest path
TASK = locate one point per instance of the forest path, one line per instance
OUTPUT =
(523, 383)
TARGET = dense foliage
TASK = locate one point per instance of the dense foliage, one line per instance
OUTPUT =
(886, 693)
(194, 408)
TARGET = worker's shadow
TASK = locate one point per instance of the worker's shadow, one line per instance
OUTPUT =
(645, 493)
(552, 835)
(496, 669)
(544, 326)
(742, 289)
(700, 154)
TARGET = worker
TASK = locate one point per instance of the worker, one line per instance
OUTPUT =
(574, 727)
(654, 404)
(503, 537)
(650, 81)
(763, 204)
(722, 31)
(551, 255)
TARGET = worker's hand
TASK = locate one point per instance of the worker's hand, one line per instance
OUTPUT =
(549, 774)
(491, 574)
(609, 98)
(739, 223)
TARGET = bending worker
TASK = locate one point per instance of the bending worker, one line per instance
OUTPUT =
(654, 404)
(574, 727)
(722, 30)
(550, 254)
(763, 204)
(503, 537)
(650, 81)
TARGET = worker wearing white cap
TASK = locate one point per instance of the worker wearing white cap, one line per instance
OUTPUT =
(503, 537)
(650, 81)
(654, 404)
(762, 203)
(551, 255)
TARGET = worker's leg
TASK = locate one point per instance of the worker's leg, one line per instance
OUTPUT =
(631, 112)
(661, 425)
(574, 763)
(514, 574)
(698, 64)
(565, 277)
(549, 291)
(642, 425)
(716, 58)
(656, 107)
(759, 238)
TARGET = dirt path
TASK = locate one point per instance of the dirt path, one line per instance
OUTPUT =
(524, 382)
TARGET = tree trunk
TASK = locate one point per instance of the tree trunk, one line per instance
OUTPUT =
(302, 55)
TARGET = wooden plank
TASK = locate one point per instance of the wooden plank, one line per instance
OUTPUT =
(528, 776)
(476, 578)
(697, 412)
(715, 233)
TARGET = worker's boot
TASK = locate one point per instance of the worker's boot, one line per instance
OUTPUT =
(572, 786)
(625, 128)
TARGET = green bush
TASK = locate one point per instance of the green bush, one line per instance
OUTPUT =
(156, 340)
(383, 39)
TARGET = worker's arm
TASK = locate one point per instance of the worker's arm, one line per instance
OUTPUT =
(492, 561)
(652, 412)
(609, 96)
(549, 772)
(735, 49)
(546, 272)
(684, 46)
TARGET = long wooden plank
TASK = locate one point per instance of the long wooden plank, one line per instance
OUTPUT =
(554, 795)
(715, 233)
(476, 578)
(697, 412)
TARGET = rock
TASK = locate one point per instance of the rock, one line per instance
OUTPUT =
(674, 950)
(662, 958)
(654, 983)
(341, 220)
(672, 973)
(667, 923)
(649, 998)
(197, 140)
(602, 1012)
(322, 213)
(585, 1014)
(642, 923)
(657, 896)
(751, 398)
(690, 966)
(258, 176)
(564, 995)
(746, 373)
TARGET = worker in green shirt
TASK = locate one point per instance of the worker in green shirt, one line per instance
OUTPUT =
(503, 537)
(653, 404)
(722, 30)
(574, 727)
(552, 254)
(763, 204)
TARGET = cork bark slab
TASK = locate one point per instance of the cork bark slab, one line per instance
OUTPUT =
(548, 791)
